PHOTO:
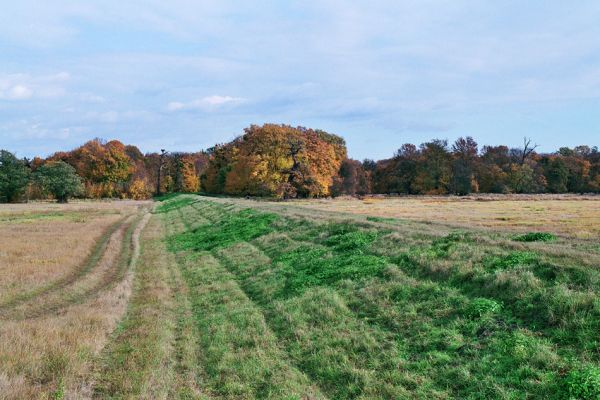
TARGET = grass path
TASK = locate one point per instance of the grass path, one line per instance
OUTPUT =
(149, 352)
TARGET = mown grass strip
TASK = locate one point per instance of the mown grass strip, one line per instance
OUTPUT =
(140, 360)
(241, 355)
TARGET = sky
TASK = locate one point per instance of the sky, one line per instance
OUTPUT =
(184, 75)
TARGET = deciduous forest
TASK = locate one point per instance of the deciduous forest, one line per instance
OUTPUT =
(282, 161)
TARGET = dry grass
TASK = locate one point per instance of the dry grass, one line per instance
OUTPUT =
(41, 243)
(574, 216)
(48, 342)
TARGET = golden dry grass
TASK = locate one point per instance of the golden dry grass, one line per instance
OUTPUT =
(565, 215)
(41, 243)
(48, 342)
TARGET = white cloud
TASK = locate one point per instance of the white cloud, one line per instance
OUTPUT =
(16, 92)
(25, 86)
(209, 103)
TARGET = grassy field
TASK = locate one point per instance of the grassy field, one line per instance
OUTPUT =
(571, 215)
(65, 283)
(239, 299)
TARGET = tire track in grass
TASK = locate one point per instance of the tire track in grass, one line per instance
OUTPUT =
(240, 355)
(110, 270)
(345, 356)
(150, 355)
(372, 300)
(331, 348)
(89, 264)
(257, 280)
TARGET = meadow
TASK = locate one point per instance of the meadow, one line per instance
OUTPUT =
(344, 299)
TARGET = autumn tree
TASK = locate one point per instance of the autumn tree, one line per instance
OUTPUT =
(557, 174)
(352, 179)
(434, 168)
(493, 169)
(464, 164)
(275, 160)
(182, 169)
(397, 175)
(105, 167)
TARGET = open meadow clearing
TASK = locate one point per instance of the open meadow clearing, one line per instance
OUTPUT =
(571, 215)
(243, 299)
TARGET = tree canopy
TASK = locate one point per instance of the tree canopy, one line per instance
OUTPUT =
(14, 177)
(282, 161)
(60, 180)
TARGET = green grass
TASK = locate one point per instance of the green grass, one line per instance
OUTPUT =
(536, 237)
(293, 307)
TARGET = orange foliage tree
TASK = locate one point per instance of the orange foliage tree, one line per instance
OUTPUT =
(275, 160)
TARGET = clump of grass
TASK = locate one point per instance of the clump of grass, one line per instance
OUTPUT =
(235, 227)
(440, 248)
(380, 219)
(354, 242)
(511, 260)
(535, 237)
(482, 307)
(583, 383)
(307, 267)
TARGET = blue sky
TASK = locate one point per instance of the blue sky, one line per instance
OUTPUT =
(184, 75)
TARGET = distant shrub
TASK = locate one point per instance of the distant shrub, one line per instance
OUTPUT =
(583, 384)
(535, 237)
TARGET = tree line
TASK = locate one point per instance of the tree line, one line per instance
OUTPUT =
(282, 161)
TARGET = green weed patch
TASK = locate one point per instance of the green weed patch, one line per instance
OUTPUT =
(306, 267)
(235, 227)
(535, 237)
(583, 383)
(511, 260)
(353, 242)
(171, 204)
(482, 307)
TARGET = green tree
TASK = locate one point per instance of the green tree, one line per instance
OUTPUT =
(465, 154)
(14, 176)
(59, 179)
(557, 175)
